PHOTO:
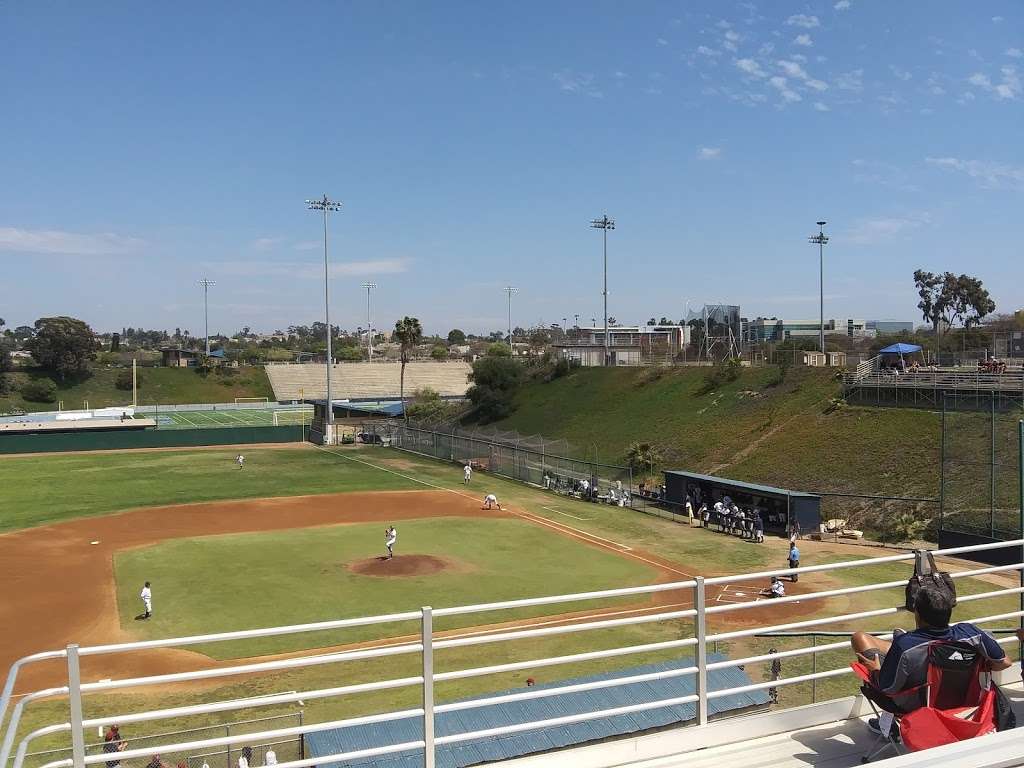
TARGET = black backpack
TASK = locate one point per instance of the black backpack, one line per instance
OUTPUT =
(927, 574)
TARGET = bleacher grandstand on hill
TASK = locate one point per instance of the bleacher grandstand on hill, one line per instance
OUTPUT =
(355, 381)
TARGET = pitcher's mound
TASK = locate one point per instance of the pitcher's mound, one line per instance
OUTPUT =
(399, 565)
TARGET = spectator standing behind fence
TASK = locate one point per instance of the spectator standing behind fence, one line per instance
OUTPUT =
(245, 758)
(112, 744)
(776, 669)
(794, 560)
(271, 758)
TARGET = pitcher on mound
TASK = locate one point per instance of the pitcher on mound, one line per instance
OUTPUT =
(390, 537)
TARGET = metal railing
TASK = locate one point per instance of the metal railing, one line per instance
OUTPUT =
(429, 641)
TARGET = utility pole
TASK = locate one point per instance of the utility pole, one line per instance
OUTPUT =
(369, 323)
(206, 309)
(510, 290)
(604, 224)
(325, 204)
(821, 239)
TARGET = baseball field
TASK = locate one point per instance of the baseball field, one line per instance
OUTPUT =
(297, 536)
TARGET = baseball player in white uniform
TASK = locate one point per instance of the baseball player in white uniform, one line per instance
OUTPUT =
(467, 474)
(491, 501)
(390, 537)
(147, 599)
(241, 460)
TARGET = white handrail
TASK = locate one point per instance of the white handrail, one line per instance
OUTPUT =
(572, 625)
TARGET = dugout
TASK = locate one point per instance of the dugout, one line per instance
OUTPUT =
(781, 507)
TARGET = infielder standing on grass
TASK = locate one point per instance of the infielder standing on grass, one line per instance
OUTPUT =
(241, 460)
(491, 501)
(390, 537)
(147, 599)
(467, 473)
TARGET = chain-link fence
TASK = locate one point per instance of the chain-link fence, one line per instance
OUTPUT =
(528, 458)
(980, 476)
(256, 754)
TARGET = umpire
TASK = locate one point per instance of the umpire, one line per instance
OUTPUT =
(794, 560)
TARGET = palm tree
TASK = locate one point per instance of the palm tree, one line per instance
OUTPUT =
(409, 333)
(643, 455)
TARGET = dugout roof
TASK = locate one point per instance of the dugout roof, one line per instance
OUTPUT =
(739, 485)
(515, 745)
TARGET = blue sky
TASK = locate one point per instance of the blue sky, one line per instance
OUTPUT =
(147, 146)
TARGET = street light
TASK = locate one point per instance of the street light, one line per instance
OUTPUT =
(821, 238)
(369, 323)
(325, 204)
(206, 311)
(604, 224)
(510, 290)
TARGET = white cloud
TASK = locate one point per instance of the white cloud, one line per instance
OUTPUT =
(766, 49)
(803, 20)
(988, 174)
(804, 40)
(577, 82)
(731, 40)
(306, 270)
(307, 245)
(709, 153)
(872, 231)
(997, 19)
(842, 5)
(788, 94)
(662, 41)
(821, 106)
(703, 50)
(1008, 88)
(799, 57)
(792, 69)
(902, 74)
(851, 81)
(723, 24)
(266, 243)
(53, 241)
(817, 85)
(751, 67)
(1014, 53)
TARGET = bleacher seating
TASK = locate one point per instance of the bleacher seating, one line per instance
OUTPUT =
(353, 381)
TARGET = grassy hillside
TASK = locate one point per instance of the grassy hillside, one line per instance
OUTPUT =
(159, 385)
(754, 429)
(607, 409)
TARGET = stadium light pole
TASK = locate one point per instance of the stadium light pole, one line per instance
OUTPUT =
(206, 309)
(510, 290)
(325, 204)
(604, 224)
(369, 323)
(821, 239)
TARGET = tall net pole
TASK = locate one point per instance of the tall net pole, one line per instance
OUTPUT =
(206, 310)
(821, 239)
(604, 224)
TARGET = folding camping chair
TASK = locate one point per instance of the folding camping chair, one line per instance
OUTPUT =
(956, 702)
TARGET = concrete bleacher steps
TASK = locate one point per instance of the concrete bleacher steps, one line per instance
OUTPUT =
(353, 381)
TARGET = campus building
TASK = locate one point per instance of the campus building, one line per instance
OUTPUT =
(885, 327)
(627, 344)
(773, 329)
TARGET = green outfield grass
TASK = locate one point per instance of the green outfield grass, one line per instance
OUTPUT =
(49, 488)
(204, 584)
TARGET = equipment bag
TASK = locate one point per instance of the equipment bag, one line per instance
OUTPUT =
(926, 573)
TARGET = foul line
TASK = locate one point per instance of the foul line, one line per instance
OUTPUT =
(559, 512)
(567, 530)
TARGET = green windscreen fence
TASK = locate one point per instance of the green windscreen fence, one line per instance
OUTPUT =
(148, 438)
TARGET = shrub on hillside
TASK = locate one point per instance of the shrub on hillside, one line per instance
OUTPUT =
(123, 380)
(39, 391)
(725, 372)
(495, 383)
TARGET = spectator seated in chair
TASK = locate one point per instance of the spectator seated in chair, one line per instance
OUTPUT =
(897, 672)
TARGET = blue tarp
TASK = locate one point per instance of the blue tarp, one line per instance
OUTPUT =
(900, 349)
(510, 746)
